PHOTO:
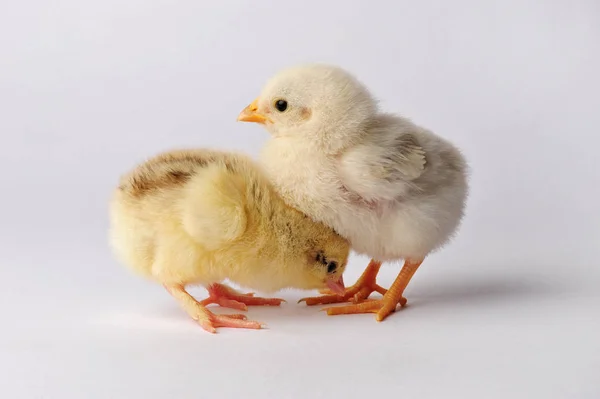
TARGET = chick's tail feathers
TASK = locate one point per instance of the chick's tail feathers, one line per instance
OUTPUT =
(213, 209)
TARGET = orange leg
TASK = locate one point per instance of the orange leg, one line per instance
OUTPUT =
(386, 305)
(230, 298)
(208, 320)
(360, 291)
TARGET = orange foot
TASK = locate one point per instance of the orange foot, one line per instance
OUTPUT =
(385, 306)
(358, 292)
(210, 321)
(207, 319)
(230, 298)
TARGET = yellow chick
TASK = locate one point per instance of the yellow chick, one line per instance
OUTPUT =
(201, 216)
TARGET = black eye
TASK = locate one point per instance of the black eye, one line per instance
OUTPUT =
(281, 105)
(331, 267)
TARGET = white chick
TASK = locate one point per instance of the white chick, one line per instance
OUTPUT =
(200, 217)
(394, 189)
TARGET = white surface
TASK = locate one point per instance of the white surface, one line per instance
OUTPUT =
(509, 310)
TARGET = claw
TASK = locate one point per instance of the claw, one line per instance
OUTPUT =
(360, 291)
(205, 318)
(391, 299)
(229, 298)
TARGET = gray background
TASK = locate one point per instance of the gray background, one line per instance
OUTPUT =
(510, 309)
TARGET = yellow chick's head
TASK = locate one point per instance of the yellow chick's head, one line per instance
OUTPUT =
(324, 263)
(323, 104)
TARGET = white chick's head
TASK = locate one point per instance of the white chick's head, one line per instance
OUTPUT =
(323, 104)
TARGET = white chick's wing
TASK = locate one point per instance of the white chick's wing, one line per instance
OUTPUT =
(213, 211)
(383, 166)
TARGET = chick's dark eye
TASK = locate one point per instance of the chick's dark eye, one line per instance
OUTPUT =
(281, 105)
(331, 267)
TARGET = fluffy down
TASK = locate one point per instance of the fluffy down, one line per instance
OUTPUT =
(394, 189)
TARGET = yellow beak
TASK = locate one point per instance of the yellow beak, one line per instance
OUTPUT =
(250, 114)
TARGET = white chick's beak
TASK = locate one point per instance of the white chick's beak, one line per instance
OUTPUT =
(337, 287)
(251, 114)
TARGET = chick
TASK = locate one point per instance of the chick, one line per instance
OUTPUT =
(396, 190)
(202, 216)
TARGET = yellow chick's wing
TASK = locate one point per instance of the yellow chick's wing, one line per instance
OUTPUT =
(213, 211)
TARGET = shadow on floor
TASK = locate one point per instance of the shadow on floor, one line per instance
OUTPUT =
(482, 290)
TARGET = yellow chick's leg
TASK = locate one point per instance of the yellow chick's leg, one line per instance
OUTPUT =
(208, 320)
(364, 286)
(230, 298)
(386, 305)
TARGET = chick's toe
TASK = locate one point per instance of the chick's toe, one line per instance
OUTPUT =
(383, 307)
(358, 292)
(229, 298)
(386, 305)
(212, 321)
(208, 320)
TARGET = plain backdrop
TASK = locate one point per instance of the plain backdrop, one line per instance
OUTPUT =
(510, 309)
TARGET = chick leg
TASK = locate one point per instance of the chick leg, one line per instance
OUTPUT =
(230, 298)
(386, 305)
(364, 286)
(208, 320)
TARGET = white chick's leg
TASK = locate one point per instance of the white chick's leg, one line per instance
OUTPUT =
(364, 286)
(230, 298)
(386, 305)
(208, 320)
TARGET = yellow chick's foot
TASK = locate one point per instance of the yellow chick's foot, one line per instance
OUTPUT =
(386, 305)
(229, 298)
(358, 292)
(210, 321)
(207, 319)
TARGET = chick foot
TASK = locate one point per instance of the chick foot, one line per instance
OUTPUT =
(358, 292)
(207, 319)
(210, 321)
(385, 306)
(230, 298)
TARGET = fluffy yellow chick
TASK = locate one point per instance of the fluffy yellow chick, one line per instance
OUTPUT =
(202, 216)
(394, 189)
